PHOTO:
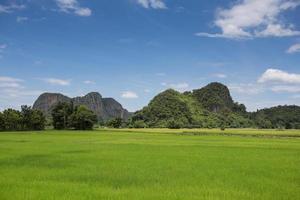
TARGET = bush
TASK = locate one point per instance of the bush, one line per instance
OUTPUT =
(61, 115)
(115, 123)
(139, 124)
(172, 124)
(27, 119)
(82, 118)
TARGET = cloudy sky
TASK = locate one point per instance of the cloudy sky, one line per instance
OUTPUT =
(133, 49)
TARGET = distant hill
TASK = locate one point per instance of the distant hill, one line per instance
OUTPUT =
(210, 107)
(278, 117)
(104, 108)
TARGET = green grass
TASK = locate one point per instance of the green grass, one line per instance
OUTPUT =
(148, 164)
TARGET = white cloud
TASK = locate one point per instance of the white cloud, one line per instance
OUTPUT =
(254, 18)
(155, 4)
(11, 7)
(177, 86)
(88, 82)
(220, 75)
(276, 75)
(21, 19)
(286, 88)
(55, 81)
(246, 89)
(129, 95)
(294, 48)
(72, 6)
(9, 82)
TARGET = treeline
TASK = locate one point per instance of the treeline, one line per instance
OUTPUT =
(66, 116)
(24, 120)
(280, 117)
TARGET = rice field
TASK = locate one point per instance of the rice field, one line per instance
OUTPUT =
(150, 164)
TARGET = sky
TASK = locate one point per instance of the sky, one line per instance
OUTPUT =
(132, 50)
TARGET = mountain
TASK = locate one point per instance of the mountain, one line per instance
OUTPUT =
(208, 107)
(278, 117)
(104, 108)
(214, 97)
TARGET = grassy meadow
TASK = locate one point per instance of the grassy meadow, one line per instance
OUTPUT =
(150, 164)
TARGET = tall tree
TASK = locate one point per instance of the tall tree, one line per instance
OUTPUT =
(12, 120)
(32, 119)
(61, 114)
(82, 118)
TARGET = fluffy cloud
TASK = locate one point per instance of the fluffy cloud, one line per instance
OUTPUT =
(220, 75)
(129, 95)
(279, 76)
(10, 8)
(286, 88)
(177, 86)
(246, 89)
(155, 4)
(55, 81)
(254, 18)
(72, 6)
(294, 48)
(9, 82)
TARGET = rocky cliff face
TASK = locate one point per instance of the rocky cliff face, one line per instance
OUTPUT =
(46, 101)
(104, 108)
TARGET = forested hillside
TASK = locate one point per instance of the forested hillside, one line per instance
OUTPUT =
(210, 107)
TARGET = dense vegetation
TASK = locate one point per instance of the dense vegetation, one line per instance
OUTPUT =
(26, 119)
(278, 117)
(65, 116)
(210, 107)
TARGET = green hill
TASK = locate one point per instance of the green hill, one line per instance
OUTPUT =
(208, 107)
(211, 107)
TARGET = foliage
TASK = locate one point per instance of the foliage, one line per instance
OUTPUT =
(214, 97)
(211, 107)
(27, 119)
(171, 109)
(287, 117)
(139, 124)
(82, 118)
(32, 119)
(61, 115)
(169, 105)
(64, 116)
(173, 124)
(115, 123)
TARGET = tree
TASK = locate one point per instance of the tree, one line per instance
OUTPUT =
(38, 120)
(61, 114)
(2, 128)
(139, 124)
(173, 124)
(12, 120)
(82, 118)
(115, 123)
(32, 119)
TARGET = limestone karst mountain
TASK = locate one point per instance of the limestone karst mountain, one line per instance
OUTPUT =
(104, 108)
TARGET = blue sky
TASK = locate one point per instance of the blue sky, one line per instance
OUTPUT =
(133, 49)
